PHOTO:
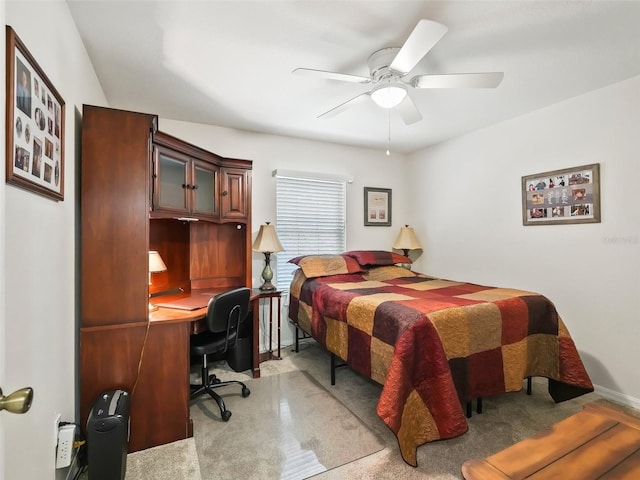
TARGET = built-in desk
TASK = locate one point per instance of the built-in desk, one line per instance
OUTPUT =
(122, 345)
(196, 317)
(151, 360)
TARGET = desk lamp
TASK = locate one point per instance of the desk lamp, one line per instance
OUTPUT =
(406, 241)
(267, 242)
(155, 265)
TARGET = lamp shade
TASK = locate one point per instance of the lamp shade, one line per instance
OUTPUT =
(267, 240)
(407, 239)
(156, 264)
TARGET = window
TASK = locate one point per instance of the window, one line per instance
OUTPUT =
(310, 218)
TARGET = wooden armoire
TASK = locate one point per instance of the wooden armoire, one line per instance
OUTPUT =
(145, 190)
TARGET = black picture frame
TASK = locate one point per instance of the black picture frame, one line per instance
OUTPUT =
(35, 114)
(377, 207)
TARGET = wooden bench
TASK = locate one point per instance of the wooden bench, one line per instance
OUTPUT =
(599, 442)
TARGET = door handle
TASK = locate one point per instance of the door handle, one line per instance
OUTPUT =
(18, 401)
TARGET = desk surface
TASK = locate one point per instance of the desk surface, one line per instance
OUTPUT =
(165, 314)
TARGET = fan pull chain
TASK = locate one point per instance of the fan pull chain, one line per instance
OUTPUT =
(389, 131)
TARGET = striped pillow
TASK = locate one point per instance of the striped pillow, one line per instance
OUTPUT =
(324, 265)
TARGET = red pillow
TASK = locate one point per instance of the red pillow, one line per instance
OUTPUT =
(369, 258)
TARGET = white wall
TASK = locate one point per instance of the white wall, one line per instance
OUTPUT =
(369, 168)
(463, 197)
(471, 224)
(39, 254)
(3, 347)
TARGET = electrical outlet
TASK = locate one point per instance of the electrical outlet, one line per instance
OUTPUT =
(66, 435)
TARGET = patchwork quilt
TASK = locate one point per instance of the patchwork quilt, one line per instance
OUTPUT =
(435, 344)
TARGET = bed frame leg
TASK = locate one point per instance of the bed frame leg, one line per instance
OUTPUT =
(528, 385)
(333, 369)
(300, 335)
(469, 406)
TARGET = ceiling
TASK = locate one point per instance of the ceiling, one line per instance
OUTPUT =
(229, 63)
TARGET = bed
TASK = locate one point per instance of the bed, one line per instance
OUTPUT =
(433, 344)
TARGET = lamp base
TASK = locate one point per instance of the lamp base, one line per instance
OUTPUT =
(267, 286)
(267, 274)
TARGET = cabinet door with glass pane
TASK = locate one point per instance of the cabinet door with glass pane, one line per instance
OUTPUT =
(204, 188)
(171, 181)
(183, 187)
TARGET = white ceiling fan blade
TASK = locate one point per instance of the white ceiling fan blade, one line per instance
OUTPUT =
(409, 111)
(344, 106)
(426, 34)
(458, 80)
(343, 77)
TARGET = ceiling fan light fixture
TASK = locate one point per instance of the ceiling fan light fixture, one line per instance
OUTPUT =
(389, 96)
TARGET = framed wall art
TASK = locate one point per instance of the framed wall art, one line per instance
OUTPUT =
(35, 125)
(570, 195)
(377, 207)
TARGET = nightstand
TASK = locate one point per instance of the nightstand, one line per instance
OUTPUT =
(267, 297)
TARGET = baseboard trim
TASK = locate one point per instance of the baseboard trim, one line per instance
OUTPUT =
(618, 397)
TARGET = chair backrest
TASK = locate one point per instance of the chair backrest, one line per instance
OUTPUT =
(227, 310)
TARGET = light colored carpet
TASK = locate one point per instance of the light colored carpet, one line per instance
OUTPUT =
(290, 427)
(507, 419)
(177, 460)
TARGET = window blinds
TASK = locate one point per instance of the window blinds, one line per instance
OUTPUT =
(310, 219)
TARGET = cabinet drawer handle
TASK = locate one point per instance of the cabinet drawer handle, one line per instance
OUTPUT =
(225, 193)
(184, 185)
(194, 187)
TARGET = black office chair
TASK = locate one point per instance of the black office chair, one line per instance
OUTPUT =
(224, 316)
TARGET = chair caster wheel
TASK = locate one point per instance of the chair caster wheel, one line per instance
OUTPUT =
(226, 415)
(245, 392)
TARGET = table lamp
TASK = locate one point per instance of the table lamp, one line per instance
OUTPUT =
(155, 265)
(267, 242)
(407, 240)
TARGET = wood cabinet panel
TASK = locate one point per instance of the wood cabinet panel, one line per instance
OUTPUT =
(233, 183)
(114, 216)
(109, 359)
(170, 238)
(160, 401)
(218, 255)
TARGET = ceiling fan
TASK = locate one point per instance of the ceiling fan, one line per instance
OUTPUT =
(389, 69)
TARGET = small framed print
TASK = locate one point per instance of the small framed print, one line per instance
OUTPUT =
(377, 207)
(570, 195)
(35, 125)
